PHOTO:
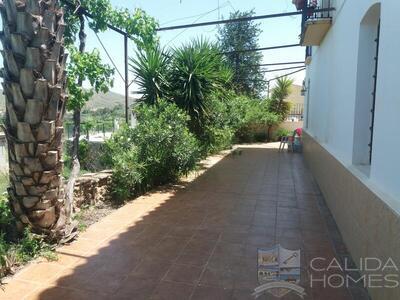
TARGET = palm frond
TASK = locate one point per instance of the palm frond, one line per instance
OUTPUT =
(151, 70)
(197, 70)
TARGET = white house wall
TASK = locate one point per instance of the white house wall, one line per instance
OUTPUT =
(333, 78)
(385, 170)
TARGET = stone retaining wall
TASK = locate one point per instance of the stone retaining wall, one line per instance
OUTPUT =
(92, 188)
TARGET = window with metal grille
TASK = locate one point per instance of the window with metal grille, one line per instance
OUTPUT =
(375, 76)
(366, 88)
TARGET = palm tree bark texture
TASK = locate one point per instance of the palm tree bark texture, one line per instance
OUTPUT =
(34, 85)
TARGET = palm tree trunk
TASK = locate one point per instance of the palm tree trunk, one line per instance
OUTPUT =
(34, 86)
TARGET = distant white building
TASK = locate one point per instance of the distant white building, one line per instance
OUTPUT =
(352, 118)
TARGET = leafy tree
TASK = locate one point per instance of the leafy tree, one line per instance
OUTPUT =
(234, 38)
(84, 66)
(88, 67)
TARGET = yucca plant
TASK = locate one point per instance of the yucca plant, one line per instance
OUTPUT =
(197, 70)
(280, 92)
(151, 68)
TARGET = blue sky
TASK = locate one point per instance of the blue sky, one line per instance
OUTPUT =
(276, 31)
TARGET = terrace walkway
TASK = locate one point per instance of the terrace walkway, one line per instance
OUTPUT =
(199, 242)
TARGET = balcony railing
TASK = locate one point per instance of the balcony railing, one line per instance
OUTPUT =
(316, 20)
(310, 6)
(317, 9)
(296, 113)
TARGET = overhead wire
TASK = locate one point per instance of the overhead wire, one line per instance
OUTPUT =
(108, 54)
(281, 69)
(262, 49)
(198, 15)
(241, 19)
(278, 63)
(231, 5)
(194, 22)
(291, 73)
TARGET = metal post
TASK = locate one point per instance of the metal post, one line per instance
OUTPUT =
(126, 79)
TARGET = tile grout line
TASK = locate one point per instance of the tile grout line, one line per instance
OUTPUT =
(205, 267)
(179, 255)
(277, 198)
(41, 284)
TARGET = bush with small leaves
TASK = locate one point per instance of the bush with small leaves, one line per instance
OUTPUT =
(157, 151)
(127, 174)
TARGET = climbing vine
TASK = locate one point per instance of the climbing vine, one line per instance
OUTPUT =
(139, 26)
(86, 65)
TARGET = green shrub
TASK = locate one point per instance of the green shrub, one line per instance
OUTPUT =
(4, 249)
(30, 246)
(216, 139)
(4, 182)
(18, 249)
(121, 141)
(127, 174)
(7, 224)
(158, 150)
(251, 118)
(84, 148)
(5, 213)
(281, 132)
(165, 146)
(217, 131)
(235, 118)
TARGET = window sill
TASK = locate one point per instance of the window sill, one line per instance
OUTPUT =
(364, 169)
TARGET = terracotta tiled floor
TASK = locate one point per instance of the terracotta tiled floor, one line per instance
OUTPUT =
(199, 242)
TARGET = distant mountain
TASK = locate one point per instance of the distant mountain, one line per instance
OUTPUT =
(101, 100)
(108, 100)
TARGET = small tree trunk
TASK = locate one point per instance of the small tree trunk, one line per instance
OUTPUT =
(76, 167)
(76, 133)
(87, 134)
(269, 133)
(34, 86)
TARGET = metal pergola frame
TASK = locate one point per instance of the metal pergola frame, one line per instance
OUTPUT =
(126, 36)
